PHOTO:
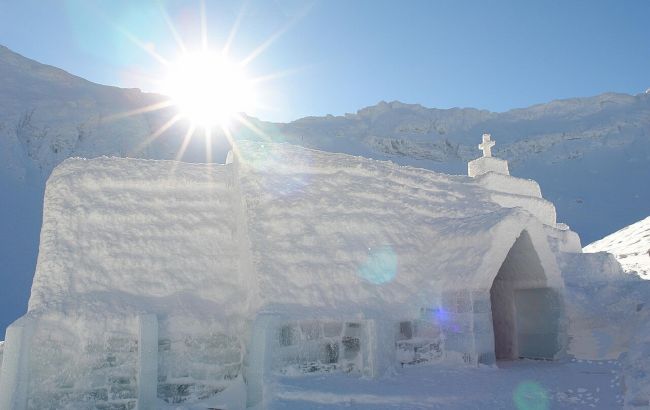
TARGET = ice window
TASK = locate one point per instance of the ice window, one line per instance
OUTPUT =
(310, 330)
(287, 336)
(405, 330)
(331, 353)
(332, 329)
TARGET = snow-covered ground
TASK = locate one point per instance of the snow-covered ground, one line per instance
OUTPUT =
(630, 246)
(525, 384)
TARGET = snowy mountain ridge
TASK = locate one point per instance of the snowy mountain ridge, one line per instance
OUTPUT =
(48, 115)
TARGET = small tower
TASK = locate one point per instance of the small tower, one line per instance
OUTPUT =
(487, 163)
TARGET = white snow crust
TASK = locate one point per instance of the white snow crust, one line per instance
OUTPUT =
(484, 165)
(315, 219)
(131, 235)
(630, 246)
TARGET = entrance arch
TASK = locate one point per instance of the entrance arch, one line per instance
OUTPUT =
(525, 311)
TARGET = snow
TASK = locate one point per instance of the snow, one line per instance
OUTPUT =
(636, 362)
(484, 165)
(630, 246)
(123, 234)
(48, 115)
(509, 184)
(520, 384)
(329, 215)
(318, 241)
(115, 225)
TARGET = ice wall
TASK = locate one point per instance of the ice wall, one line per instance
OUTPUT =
(122, 238)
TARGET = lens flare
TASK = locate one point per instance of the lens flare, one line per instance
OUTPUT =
(208, 89)
(530, 396)
(204, 86)
(381, 265)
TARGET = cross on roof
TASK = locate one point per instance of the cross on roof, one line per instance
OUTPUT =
(486, 146)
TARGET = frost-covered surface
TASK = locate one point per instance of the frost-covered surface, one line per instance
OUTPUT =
(630, 246)
(510, 184)
(327, 229)
(124, 235)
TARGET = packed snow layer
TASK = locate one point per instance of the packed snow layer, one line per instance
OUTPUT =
(329, 231)
(283, 226)
(630, 246)
(509, 184)
(124, 235)
(484, 165)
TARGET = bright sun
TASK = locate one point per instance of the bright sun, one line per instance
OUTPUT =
(208, 89)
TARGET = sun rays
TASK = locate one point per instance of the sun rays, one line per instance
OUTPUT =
(203, 86)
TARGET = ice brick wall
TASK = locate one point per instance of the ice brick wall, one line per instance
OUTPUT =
(76, 365)
(419, 341)
(196, 365)
(318, 346)
(464, 320)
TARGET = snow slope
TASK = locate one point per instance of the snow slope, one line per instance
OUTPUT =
(47, 115)
(630, 246)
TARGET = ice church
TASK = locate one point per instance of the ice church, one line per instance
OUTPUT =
(160, 283)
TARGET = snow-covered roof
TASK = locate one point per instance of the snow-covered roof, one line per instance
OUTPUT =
(280, 227)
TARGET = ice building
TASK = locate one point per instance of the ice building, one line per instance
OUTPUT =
(161, 283)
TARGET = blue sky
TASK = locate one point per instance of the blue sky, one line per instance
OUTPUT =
(339, 56)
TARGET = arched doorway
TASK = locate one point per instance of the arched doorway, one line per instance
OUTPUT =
(525, 311)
